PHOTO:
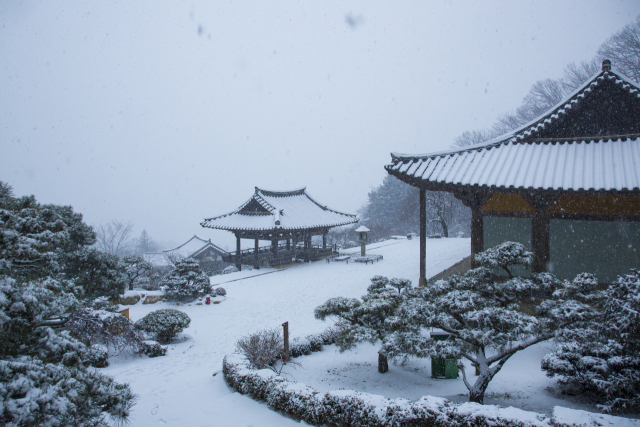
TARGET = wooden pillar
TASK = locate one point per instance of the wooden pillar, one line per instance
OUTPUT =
(238, 253)
(295, 246)
(422, 281)
(540, 229)
(477, 234)
(288, 244)
(324, 240)
(256, 252)
(540, 241)
(308, 245)
(274, 245)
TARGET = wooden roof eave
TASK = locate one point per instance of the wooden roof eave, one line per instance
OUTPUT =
(453, 188)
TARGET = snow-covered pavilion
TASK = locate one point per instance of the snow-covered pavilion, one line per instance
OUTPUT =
(279, 216)
(566, 185)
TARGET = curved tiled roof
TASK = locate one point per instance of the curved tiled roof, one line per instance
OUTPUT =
(286, 210)
(526, 158)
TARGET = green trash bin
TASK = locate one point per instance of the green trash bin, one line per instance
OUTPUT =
(441, 367)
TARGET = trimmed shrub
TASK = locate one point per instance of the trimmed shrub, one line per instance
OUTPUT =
(153, 348)
(164, 324)
(219, 291)
(98, 356)
(230, 269)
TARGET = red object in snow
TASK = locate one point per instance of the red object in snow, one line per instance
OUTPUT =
(208, 300)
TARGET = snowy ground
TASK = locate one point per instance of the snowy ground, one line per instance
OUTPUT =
(186, 387)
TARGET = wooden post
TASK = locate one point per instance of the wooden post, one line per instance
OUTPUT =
(324, 240)
(256, 252)
(238, 253)
(309, 247)
(477, 234)
(288, 244)
(423, 238)
(285, 356)
(295, 246)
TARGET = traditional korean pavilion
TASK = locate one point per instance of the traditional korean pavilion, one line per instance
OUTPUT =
(566, 185)
(285, 218)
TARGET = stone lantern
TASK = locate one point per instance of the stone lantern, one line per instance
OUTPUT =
(363, 239)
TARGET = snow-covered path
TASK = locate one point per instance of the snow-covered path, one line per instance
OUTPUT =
(180, 389)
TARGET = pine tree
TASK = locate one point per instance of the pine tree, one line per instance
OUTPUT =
(364, 320)
(602, 357)
(135, 267)
(44, 370)
(186, 282)
(488, 318)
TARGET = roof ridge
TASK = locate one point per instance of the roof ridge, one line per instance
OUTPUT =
(178, 247)
(518, 135)
(275, 193)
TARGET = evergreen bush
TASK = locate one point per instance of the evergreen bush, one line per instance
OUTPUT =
(164, 324)
(186, 282)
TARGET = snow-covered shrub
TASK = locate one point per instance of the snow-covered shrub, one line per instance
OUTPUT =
(262, 348)
(151, 282)
(219, 291)
(35, 393)
(602, 357)
(488, 318)
(351, 408)
(186, 282)
(230, 269)
(312, 343)
(164, 324)
(99, 356)
(153, 348)
(366, 320)
(111, 329)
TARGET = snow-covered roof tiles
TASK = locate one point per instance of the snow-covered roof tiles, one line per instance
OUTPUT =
(286, 210)
(549, 153)
(191, 247)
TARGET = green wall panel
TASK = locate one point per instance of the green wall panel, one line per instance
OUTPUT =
(604, 248)
(502, 229)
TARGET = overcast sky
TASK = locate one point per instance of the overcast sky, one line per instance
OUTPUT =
(164, 113)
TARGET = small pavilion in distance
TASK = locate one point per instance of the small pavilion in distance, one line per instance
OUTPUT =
(566, 185)
(285, 218)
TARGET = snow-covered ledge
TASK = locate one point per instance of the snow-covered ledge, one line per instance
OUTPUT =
(353, 408)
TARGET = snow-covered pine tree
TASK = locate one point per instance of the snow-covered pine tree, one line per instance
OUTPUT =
(186, 282)
(602, 357)
(488, 318)
(135, 267)
(98, 273)
(365, 320)
(44, 375)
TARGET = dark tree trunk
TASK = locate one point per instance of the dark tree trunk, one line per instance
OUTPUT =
(383, 363)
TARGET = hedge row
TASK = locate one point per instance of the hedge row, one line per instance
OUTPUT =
(353, 408)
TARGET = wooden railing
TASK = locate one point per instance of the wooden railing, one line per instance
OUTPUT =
(265, 255)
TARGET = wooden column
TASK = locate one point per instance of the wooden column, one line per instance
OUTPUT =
(422, 281)
(295, 246)
(540, 241)
(238, 253)
(540, 229)
(308, 245)
(256, 252)
(288, 244)
(324, 240)
(477, 234)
